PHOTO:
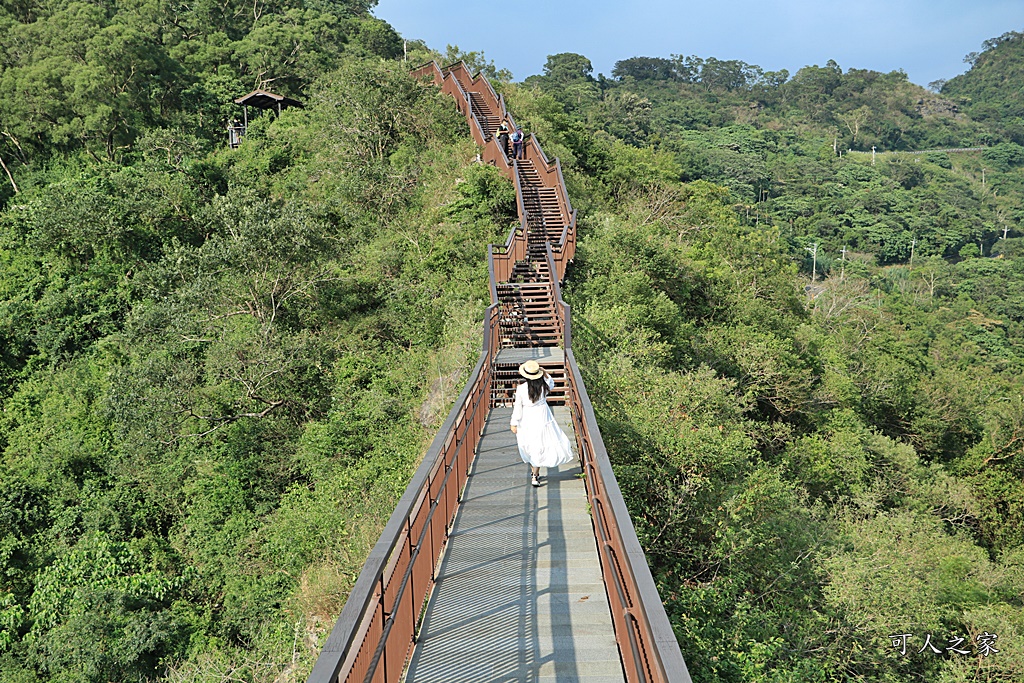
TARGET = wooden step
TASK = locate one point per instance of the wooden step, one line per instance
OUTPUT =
(506, 379)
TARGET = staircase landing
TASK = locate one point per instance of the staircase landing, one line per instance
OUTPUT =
(545, 355)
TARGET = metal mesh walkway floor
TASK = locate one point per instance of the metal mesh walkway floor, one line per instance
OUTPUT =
(519, 593)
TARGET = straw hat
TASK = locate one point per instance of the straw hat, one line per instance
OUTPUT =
(531, 370)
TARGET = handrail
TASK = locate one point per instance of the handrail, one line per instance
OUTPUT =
(556, 292)
(540, 151)
(513, 232)
(653, 653)
(431, 67)
(490, 272)
(460, 66)
(524, 216)
(479, 133)
(378, 603)
(516, 233)
(561, 185)
(622, 559)
(505, 112)
(558, 183)
(440, 78)
(490, 87)
(567, 243)
(561, 308)
(473, 80)
(493, 154)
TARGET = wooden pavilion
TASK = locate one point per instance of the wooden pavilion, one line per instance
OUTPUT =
(259, 100)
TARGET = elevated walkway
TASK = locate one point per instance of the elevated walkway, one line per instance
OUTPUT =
(519, 594)
(478, 576)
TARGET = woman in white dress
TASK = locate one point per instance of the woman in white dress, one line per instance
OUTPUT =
(541, 441)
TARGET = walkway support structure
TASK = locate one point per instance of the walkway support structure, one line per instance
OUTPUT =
(375, 634)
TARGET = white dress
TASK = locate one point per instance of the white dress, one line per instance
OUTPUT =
(542, 443)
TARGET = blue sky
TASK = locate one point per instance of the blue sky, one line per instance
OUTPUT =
(926, 38)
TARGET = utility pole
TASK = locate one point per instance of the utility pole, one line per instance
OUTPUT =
(842, 270)
(982, 179)
(872, 155)
(813, 250)
(405, 50)
(913, 243)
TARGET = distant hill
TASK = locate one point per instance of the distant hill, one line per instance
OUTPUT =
(993, 89)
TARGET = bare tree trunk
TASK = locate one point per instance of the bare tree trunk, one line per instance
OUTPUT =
(9, 176)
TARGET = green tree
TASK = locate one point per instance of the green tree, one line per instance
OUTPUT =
(567, 76)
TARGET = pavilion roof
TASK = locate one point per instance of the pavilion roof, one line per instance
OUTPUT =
(261, 99)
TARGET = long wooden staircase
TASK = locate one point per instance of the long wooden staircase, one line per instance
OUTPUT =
(478, 576)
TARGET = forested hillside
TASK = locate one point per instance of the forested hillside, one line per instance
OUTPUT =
(991, 90)
(219, 367)
(806, 361)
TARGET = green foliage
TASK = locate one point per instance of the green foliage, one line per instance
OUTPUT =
(802, 489)
(12, 617)
(220, 367)
(939, 159)
(903, 572)
(567, 78)
(477, 63)
(94, 564)
(644, 68)
(99, 591)
(780, 145)
(808, 474)
(76, 76)
(984, 88)
(484, 192)
(1004, 156)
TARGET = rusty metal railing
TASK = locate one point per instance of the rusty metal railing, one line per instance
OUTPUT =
(374, 634)
(550, 175)
(647, 645)
(562, 318)
(448, 80)
(502, 262)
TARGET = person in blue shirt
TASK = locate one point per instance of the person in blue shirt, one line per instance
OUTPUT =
(518, 144)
